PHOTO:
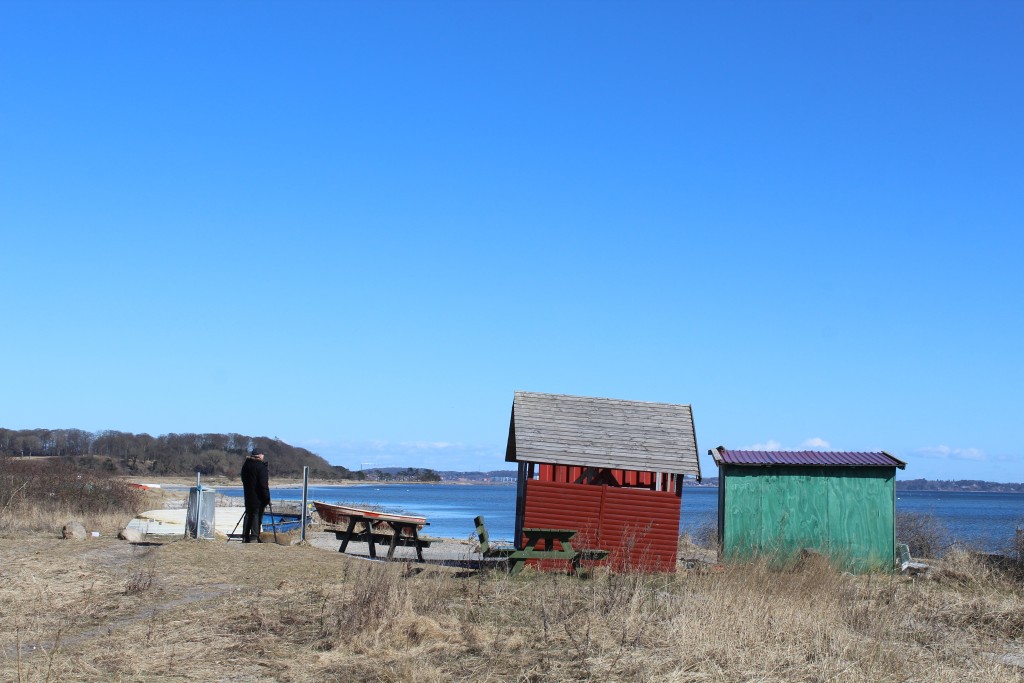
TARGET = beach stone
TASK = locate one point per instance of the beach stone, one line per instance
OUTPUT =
(73, 530)
(131, 535)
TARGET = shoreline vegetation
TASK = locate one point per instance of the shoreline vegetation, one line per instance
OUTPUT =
(102, 609)
(213, 455)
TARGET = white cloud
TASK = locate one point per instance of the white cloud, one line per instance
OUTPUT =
(947, 453)
(439, 455)
(428, 445)
(770, 445)
(815, 442)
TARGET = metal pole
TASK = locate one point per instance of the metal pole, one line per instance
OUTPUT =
(273, 524)
(305, 499)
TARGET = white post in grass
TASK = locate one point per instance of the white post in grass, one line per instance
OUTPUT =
(305, 502)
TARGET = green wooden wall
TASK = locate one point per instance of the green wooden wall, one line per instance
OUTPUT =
(847, 512)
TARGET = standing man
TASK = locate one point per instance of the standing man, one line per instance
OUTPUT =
(256, 484)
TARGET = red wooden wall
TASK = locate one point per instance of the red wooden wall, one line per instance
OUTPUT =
(573, 474)
(639, 526)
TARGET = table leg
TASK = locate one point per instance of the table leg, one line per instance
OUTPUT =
(419, 547)
(394, 540)
(369, 539)
(348, 534)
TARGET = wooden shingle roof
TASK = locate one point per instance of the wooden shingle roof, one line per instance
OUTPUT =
(602, 432)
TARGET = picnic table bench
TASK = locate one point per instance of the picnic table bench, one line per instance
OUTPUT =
(372, 538)
(547, 538)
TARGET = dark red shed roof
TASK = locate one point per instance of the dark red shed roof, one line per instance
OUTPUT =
(804, 458)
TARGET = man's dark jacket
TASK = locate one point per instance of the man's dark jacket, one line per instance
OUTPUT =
(255, 482)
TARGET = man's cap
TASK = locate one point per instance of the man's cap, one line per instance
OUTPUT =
(257, 451)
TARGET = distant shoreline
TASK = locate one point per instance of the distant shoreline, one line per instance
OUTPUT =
(289, 482)
(292, 482)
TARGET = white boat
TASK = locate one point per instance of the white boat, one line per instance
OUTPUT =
(172, 522)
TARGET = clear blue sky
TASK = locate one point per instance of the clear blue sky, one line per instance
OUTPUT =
(360, 227)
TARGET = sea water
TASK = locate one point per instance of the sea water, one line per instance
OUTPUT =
(982, 520)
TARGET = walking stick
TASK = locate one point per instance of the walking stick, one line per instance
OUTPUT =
(273, 524)
(236, 527)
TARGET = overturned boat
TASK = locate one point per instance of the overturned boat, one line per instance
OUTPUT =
(340, 515)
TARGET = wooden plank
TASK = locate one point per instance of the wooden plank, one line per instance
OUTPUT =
(630, 449)
(637, 421)
(603, 406)
(634, 419)
(671, 443)
(742, 515)
(639, 527)
(639, 454)
(567, 399)
(380, 538)
(861, 516)
(665, 419)
(597, 458)
(673, 439)
(679, 440)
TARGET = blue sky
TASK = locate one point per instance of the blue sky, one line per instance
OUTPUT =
(360, 227)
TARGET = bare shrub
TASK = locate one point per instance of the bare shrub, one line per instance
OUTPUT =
(923, 533)
(139, 580)
(33, 494)
(705, 534)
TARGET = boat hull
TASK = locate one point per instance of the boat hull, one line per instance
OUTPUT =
(332, 513)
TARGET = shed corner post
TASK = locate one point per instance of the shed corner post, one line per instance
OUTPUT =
(525, 472)
(721, 509)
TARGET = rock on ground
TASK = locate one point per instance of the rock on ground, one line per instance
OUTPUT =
(73, 530)
(131, 535)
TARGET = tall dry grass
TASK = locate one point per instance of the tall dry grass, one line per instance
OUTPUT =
(193, 610)
(100, 610)
(43, 496)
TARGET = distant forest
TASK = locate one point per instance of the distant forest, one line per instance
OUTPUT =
(957, 485)
(964, 485)
(169, 454)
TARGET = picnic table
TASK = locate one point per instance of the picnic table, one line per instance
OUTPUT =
(372, 538)
(546, 538)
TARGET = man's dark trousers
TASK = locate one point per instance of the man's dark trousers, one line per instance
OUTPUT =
(253, 522)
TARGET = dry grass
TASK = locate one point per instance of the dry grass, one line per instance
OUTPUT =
(43, 496)
(102, 610)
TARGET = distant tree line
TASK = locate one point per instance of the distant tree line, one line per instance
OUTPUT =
(957, 485)
(399, 474)
(169, 454)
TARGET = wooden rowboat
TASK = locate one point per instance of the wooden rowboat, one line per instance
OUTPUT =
(333, 513)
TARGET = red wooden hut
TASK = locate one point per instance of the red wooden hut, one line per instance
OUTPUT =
(610, 469)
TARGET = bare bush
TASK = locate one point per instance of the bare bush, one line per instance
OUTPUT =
(923, 533)
(38, 495)
(139, 580)
(705, 534)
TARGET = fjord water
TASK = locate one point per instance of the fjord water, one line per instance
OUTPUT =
(982, 520)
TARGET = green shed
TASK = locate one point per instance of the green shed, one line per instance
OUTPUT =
(840, 504)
